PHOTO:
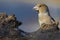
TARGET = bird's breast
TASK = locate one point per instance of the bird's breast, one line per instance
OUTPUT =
(44, 18)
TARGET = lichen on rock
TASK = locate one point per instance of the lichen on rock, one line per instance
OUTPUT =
(8, 25)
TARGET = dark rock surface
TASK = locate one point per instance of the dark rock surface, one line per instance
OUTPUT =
(45, 35)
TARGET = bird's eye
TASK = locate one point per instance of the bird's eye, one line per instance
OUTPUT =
(40, 6)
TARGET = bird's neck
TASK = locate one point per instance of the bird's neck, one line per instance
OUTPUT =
(43, 11)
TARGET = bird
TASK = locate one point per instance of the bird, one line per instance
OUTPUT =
(44, 18)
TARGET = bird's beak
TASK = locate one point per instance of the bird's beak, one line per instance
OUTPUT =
(34, 7)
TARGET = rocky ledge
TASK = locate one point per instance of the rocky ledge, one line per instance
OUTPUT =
(8, 26)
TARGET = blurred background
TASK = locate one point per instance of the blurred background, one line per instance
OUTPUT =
(23, 9)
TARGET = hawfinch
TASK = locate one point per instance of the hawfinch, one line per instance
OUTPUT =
(44, 16)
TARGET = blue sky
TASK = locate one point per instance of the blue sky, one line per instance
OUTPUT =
(24, 12)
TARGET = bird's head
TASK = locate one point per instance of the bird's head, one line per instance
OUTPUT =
(40, 7)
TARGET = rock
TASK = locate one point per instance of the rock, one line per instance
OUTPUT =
(46, 35)
(8, 26)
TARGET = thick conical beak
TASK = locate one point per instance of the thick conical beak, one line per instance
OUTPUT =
(35, 8)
